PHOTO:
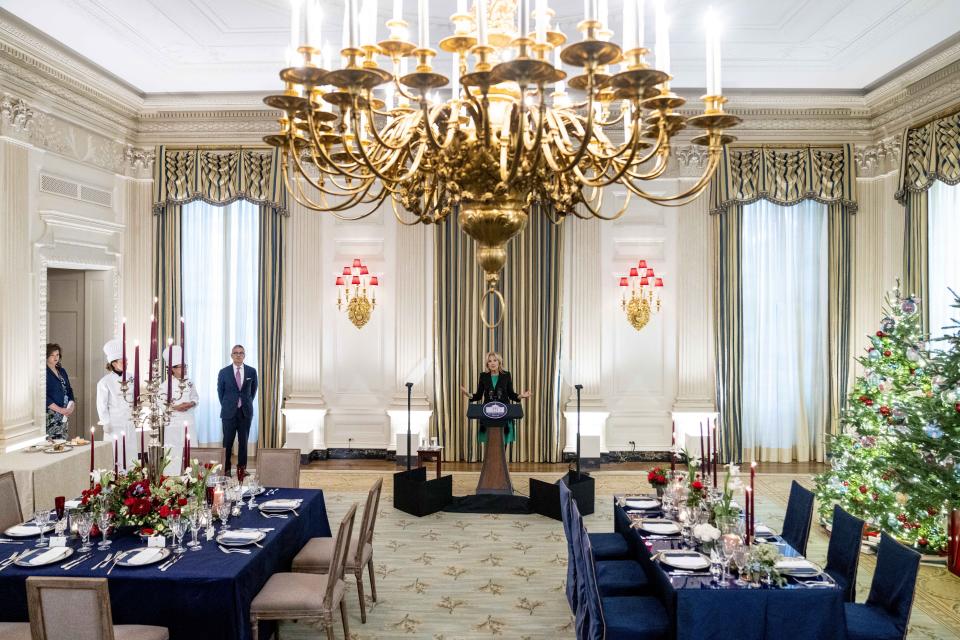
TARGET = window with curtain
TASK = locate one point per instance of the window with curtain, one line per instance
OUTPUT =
(943, 229)
(220, 246)
(784, 292)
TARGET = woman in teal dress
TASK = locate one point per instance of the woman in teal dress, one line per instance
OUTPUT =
(495, 384)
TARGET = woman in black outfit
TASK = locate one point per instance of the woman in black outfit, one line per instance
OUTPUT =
(60, 400)
(495, 384)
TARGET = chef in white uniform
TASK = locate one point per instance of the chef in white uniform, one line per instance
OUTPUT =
(183, 410)
(112, 407)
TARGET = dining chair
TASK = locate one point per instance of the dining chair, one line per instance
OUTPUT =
(843, 554)
(316, 556)
(208, 454)
(886, 614)
(566, 497)
(70, 608)
(614, 577)
(618, 617)
(311, 597)
(10, 513)
(279, 468)
(15, 631)
(799, 516)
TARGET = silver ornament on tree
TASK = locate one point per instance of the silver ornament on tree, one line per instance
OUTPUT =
(888, 324)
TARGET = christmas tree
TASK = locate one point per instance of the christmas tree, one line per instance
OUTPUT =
(876, 464)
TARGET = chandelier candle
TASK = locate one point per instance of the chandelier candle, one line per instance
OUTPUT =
(663, 38)
(124, 451)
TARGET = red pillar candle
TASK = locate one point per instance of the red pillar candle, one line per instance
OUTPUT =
(673, 446)
(124, 339)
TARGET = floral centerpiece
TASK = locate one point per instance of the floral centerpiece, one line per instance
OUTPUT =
(137, 502)
(763, 565)
(706, 533)
(657, 477)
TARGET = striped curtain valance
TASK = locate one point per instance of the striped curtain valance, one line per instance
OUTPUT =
(218, 177)
(785, 176)
(930, 152)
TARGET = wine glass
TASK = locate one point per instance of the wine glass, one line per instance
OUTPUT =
(729, 544)
(103, 521)
(178, 526)
(716, 569)
(253, 485)
(41, 517)
(223, 512)
(741, 558)
(84, 525)
(194, 517)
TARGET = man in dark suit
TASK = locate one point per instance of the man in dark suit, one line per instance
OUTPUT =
(237, 389)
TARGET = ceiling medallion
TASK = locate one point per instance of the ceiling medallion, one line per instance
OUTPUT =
(510, 142)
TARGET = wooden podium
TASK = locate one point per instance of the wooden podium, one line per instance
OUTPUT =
(494, 417)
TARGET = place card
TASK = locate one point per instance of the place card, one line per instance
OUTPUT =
(58, 541)
(156, 541)
(210, 533)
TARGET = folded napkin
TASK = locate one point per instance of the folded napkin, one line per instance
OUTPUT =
(281, 504)
(795, 563)
(642, 503)
(72, 504)
(659, 526)
(50, 555)
(239, 536)
(763, 530)
(145, 556)
(25, 530)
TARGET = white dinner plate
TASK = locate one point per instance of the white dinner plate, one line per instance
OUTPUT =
(240, 538)
(689, 560)
(37, 448)
(43, 557)
(660, 527)
(280, 506)
(246, 491)
(798, 567)
(63, 449)
(641, 503)
(27, 530)
(143, 557)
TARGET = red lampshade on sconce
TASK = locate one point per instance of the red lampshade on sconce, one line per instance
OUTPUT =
(624, 282)
(356, 262)
(658, 282)
(346, 271)
(374, 281)
(644, 281)
(363, 270)
(356, 280)
(649, 273)
(339, 281)
(633, 272)
(642, 265)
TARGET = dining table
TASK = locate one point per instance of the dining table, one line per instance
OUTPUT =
(206, 593)
(704, 608)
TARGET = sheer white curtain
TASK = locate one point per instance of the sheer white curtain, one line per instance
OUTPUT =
(785, 366)
(220, 248)
(943, 229)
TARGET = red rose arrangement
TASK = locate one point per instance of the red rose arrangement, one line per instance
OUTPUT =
(657, 477)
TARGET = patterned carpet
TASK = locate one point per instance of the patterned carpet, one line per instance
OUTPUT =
(454, 576)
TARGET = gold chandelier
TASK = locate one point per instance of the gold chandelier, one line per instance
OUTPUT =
(359, 306)
(504, 145)
(637, 299)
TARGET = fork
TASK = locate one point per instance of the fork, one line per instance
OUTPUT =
(276, 515)
(70, 565)
(116, 559)
(16, 555)
(103, 562)
(225, 550)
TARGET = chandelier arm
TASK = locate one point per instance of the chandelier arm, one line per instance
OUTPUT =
(663, 158)
(327, 160)
(588, 132)
(372, 166)
(323, 206)
(399, 87)
(627, 163)
(618, 214)
(518, 147)
(377, 135)
(702, 182)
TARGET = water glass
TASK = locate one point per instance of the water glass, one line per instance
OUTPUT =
(41, 517)
(194, 517)
(223, 512)
(716, 569)
(253, 486)
(84, 525)
(728, 546)
(741, 558)
(178, 527)
(103, 521)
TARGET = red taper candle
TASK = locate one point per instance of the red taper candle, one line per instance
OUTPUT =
(747, 514)
(93, 431)
(124, 451)
(124, 339)
(183, 347)
(753, 498)
(702, 457)
(169, 370)
(116, 457)
(715, 454)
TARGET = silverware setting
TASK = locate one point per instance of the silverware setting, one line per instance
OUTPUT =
(226, 550)
(685, 574)
(274, 515)
(103, 562)
(16, 555)
(271, 492)
(172, 561)
(261, 529)
(6, 541)
(120, 555)
(66, 566)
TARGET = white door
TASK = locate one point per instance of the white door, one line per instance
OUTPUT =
(65, 326)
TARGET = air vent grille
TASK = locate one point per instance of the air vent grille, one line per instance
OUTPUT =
(75, 190)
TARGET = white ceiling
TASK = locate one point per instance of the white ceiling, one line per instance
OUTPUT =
(174, 46)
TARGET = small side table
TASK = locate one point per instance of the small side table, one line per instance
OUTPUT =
(429, 455)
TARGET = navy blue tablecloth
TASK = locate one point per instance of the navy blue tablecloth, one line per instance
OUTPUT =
(205, 595)
(704, 613)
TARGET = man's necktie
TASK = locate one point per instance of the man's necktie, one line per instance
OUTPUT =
(236, 370)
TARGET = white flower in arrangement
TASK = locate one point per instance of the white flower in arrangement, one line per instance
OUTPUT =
(706, 532)
(97, 474)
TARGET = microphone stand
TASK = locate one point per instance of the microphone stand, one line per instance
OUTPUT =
(579, 388)
(409, 395)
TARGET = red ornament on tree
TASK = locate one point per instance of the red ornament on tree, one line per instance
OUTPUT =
(880, 334)
(888, 353)
(885, 410)
(863, 488)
